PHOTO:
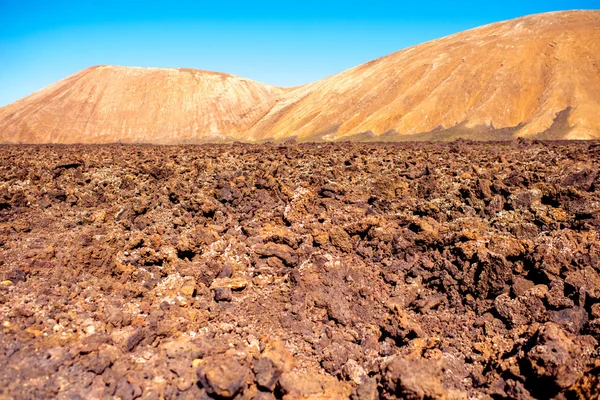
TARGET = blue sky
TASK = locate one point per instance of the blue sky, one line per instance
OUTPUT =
(283, 43)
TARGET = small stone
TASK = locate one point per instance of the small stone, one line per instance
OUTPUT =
(17, 275)
(586, 279)
(222, 377)
(354, 371)
(238, 283)
(267, 374)
(264, 396)
(196, 362)
(338, 310)
(296, 384)
(188, 288)
(127, 391)
(97, 363)
(367, 390)
(525, 198)
(34, 332)
(224, 195)
(552, 357)
(340, 239)
(184, 383)
(521, 285)
(134, 339)
(281, 251)
(138, 321)
(274, 361)
(226, 271)
(570, 319)
(222, 294)
(181, 349)
(415, 379)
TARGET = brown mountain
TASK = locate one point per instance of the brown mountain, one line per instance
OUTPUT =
(107, 104)
(536, 76)
(514, 77)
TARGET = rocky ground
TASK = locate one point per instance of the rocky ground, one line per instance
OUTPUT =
(363, 271)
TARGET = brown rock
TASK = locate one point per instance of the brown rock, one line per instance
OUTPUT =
(340, 239)
(552, 357)
(134, 339)
(520, 286)
(223, 294)
(495, 273)
(292, 383)
(281, 251)
(96, 363)
(226, 271)
(525, 198)
(238, 283)
(222, 377)
(188, 287)
(355, 372)
(586, 280)
(267, 374)
(580, 176)
(338, 310)
(274, 361)
(571, 319)
(264, 396)
(495, 205)
(414, 379)
(367, 390)
(588, 387)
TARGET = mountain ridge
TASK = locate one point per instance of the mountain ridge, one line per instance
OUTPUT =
(94, 95)
(503, 80)
(570, 24)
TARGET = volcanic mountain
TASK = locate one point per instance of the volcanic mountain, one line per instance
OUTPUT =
(536, 76)
(533, 76)
(107, 104)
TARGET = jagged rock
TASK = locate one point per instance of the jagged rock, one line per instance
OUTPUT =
(367, 390)
(281, 251)
(222, 377)
(340, 239)
(553, 357)
(379, 268)
(274, 361)
(414, 379)
(222, 294)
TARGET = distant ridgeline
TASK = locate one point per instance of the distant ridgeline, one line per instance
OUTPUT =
(533, 77)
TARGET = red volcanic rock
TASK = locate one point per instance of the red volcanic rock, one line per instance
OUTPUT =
(122, 275)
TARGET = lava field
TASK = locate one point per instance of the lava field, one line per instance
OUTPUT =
(324, 271)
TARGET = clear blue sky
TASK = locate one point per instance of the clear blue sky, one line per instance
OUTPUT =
(281, 42)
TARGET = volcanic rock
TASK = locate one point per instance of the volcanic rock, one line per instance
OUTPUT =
(222, 377)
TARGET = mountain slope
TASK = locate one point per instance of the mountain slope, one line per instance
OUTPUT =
(536, 76)
(108, 104)
(507, 78)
